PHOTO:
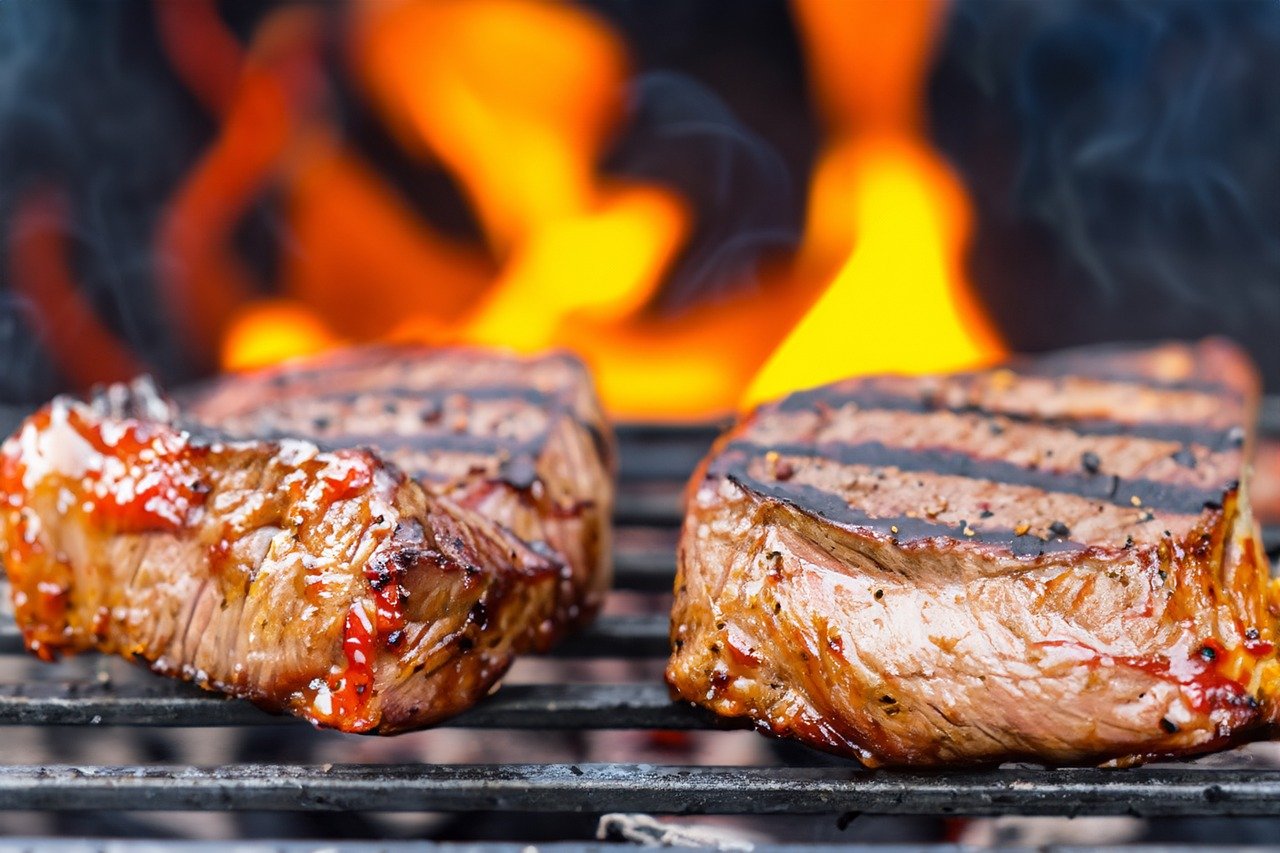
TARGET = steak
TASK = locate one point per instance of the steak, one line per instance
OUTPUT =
(522, 441)
(318, 577)
(1053, 561)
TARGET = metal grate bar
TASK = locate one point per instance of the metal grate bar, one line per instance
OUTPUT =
(649, 509)
(645, 571)
(594, 788)
(516, 706)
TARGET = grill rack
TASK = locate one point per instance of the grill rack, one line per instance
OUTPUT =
(655, 463)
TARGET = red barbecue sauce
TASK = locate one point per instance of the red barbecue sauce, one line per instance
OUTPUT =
(134, 477)
(351, 689)
(146, 479)
(1259, 648)
(1203, 686)
(343, 478)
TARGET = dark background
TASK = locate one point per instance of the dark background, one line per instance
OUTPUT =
(1121, 158)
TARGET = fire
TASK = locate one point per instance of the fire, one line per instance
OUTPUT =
(39, 270)
(519, 100)
(271, 330)
(899, 302)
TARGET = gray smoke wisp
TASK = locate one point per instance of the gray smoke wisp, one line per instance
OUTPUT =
(1122, 159)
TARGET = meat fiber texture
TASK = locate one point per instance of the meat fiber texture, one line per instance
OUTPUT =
(1052, 561)
(522, 441)
(317, 580)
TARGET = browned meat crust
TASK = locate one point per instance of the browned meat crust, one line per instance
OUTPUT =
(315, 577)
(1050, 561)
(522, 441)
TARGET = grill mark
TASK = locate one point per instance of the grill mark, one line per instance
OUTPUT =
(829, 506)
(1216, 440)
(455, 442)
(1180, 499)
(1094, 365)
(324, 367)
(433, 394)
(422, 442)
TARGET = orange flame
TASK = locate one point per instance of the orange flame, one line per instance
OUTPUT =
(899, 302)
(518, 100)
(84, 350)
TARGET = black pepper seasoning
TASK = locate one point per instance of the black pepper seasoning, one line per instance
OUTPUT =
(1090, 462)
(1059, 529)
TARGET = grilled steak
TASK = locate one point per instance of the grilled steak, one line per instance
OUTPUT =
(521, 441)
(317, 577)
(1051, 561)
(327, 584)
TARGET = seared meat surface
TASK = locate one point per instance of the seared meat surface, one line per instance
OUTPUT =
(522, 441)
(256, 544)
(1052, 561)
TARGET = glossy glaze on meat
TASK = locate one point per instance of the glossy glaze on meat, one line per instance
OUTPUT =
(1051, 561)
(522, 441)
(315, 576)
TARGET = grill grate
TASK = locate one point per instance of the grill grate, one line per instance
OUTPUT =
(656, 461)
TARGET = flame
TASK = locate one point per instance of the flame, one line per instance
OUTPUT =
(519, 100)
(268, 331)
(459, 77)
(84, 350)
(899, 302)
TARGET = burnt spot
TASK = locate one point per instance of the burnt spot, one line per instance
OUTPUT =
(1169, 726)
(478, 615)
(465, 644)
(1060, 529)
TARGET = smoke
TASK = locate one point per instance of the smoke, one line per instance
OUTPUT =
(87, 109)
(1122, 160)
(741, 194)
